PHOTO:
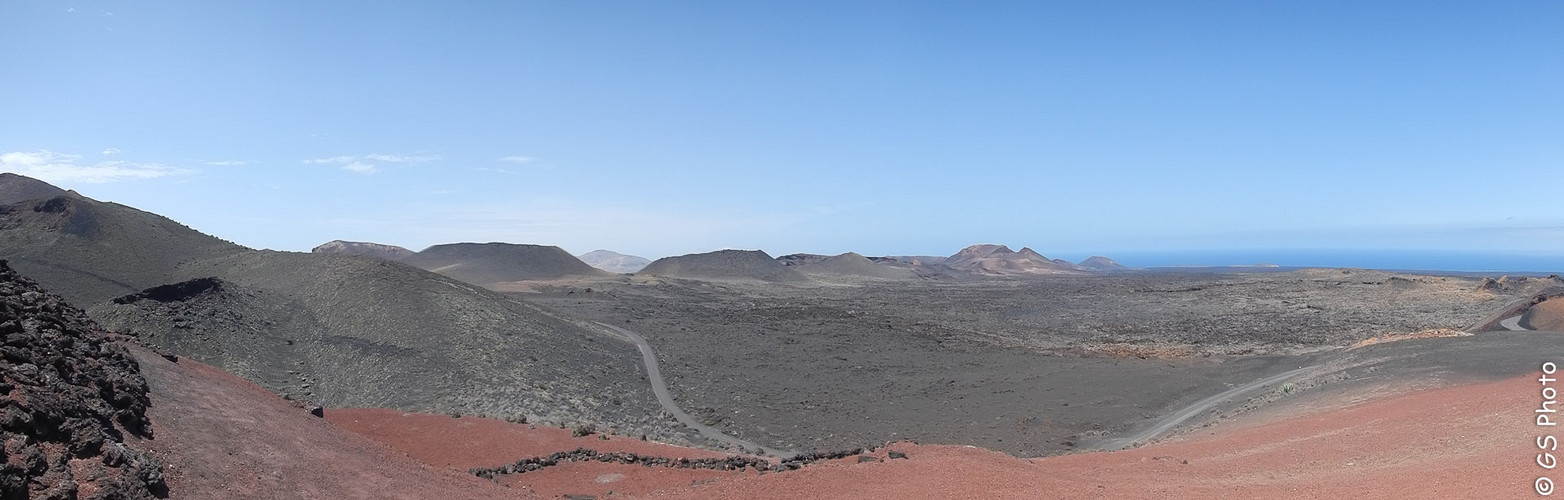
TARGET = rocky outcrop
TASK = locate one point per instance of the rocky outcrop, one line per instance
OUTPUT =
(70, 396)
(388, 252)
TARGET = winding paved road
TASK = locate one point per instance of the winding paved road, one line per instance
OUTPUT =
(660, 388)
(1513, 323)
(1167, 423)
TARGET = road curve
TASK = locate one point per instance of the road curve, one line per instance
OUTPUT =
(1167, 423)
(660, 388)
(1513, 324)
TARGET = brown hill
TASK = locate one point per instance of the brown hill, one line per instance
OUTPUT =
(90, 251)
(724, 265)
(853, 265)
(1001, 260)
(490, 263)
(1547, 315)
(388, 252)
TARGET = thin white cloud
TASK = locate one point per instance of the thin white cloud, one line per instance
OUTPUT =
(402, 158)
(367, 164)
(63, 168)
(228, 163)
(111, 151)
(361, 168)
(519, 159)
(334, 159)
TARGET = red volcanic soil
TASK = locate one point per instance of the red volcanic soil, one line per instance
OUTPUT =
(222, 437)
(219, 436)
(1474, 441)
(470, 442)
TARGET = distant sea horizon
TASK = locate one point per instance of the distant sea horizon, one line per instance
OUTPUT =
(1398, 260)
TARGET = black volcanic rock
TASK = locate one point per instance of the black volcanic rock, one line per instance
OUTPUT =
(490, 263)
(68, 397)
(724, 265)
(388, 252)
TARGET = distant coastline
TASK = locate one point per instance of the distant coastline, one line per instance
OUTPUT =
(1454, 262)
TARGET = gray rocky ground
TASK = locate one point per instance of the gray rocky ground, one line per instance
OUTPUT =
(1029, 367)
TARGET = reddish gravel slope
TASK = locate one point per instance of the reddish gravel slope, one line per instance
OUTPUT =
(220, 436)
(1471, 441)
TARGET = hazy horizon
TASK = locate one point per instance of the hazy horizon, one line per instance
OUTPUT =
(1332, 134)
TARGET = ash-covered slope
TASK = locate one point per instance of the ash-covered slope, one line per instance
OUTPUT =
(614, 262)
(388, 252)
(90, 251)
(69, 395)
(724, 265)
(353, 331)
(15, 188)
(340, 329)
(490, 263)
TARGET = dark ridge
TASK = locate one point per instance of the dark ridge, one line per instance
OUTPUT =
(90, 252)
(69, 394)
(16, 188)
(490, 263)
(731, 462)
(176, 292)
(724, 264)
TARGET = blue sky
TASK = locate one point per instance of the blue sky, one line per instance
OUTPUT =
(662, 128)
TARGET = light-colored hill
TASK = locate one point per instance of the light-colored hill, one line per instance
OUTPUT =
(388, 252)
(1001, 260)
(614, 262)
(853, 265)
